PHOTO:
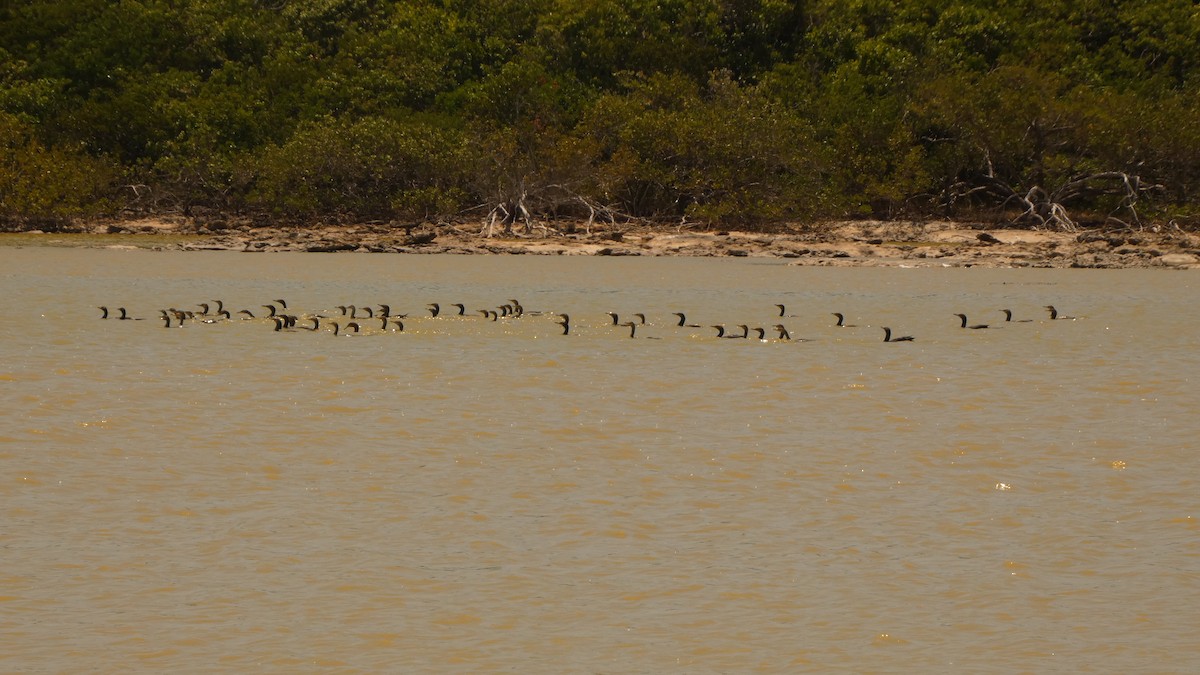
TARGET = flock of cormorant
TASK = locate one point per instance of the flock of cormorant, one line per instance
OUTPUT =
(380, 319)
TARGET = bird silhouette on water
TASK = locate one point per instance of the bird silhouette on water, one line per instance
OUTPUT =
(1055, 316)
(841, 321)
(887, 336)
(683, 321)
(977, 326)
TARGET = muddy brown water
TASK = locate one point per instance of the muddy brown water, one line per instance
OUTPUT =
(479, 496)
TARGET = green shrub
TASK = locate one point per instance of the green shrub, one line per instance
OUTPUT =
(46, 186)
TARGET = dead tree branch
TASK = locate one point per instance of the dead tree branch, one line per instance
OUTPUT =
(1049, 208)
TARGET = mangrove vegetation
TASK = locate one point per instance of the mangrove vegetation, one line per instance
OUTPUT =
(1050, 113)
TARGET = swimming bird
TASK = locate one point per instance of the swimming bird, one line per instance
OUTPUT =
(248, 313)
(565, 321)
(203, 308)
(783, 312)
(220, 306)
(614, 318)
(399, 325)
(633, 330)
(270, 308)
(370, 312)
(352, 326)
(105, 312)
(1055, 316)
(1008, 317)
(316, 324)
(282, 304)
(841, 321)
(385, 310)
(745, 331)
(462, 309)
(721, 333)
(641, 318)
(218, 317)
(783, 332)
(434, 309)
(683, 321)
(762, 333)
(887, 336)
(278, 323)
(167, 320)
(123, 316)
(973, 327)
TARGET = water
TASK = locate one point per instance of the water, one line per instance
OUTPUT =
(477, 496)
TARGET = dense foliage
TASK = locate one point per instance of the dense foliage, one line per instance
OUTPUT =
(734, 111)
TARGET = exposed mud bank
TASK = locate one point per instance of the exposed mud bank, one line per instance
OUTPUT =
(842, 244)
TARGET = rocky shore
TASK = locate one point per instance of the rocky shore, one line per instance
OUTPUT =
(842, 244)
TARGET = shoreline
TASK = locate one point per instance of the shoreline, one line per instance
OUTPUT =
(836, 244)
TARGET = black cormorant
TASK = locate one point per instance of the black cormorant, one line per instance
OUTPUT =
(683, 321)
(1055, 316)
(1008, 317)
(887, 336)
(977, 326)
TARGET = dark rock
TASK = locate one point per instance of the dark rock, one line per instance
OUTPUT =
(420, 238)
(329, 247)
